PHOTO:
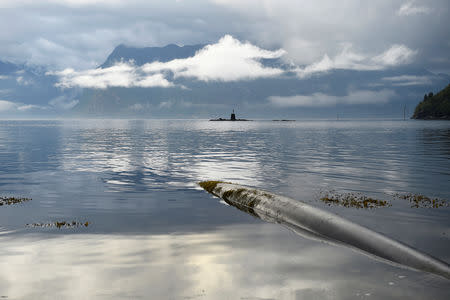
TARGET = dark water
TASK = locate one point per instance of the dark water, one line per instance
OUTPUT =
(154, 234)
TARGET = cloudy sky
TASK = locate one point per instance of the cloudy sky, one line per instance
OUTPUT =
(79, 34)
(71, 38)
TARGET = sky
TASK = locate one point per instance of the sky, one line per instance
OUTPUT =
(79, 34)
(71, 38)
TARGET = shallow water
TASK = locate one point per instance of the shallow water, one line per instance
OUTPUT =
(154, 233)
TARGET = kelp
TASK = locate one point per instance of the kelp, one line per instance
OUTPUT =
(359, 200)
(355, 200)
(422, 201)
(12, 200)
(210, 185)
(61, 224)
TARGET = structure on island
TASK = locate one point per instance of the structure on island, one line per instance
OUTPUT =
(232, 118)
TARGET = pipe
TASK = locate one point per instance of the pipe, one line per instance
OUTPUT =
(266, 205)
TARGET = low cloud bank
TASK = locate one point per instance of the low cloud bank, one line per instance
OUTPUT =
(61, 103)
(120, 75)
(9, 106)
(227, 60)
(410, 8)
(350, 60)
(323, 100)
(408, 80)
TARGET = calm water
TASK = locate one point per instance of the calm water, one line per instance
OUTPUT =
(154, 234)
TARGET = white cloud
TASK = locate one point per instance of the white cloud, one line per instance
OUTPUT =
(69, 3)
(410, 8)
(4, 77)
(7, 105)
(351, 60)
(171, 103)
(408, 80)
(396, 55)
(227, 60)
(136, 107)
(322, 100)
(63, 102)
(120, 75)
(165, 104)
(22, 81)
(27, 107)
(347, 59)
(5, 92)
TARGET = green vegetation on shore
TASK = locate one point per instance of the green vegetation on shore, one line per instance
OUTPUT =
(434, 107)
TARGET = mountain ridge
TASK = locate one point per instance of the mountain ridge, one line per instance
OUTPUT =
(144, 55)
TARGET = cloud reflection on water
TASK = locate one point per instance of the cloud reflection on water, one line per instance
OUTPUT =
(232, 262)
(157, 155)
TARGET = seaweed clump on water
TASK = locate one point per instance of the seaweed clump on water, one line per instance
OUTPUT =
(417, 200)
(355, 200)
(12, 200)
(61, 224)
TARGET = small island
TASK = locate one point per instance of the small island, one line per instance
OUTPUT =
(434, 107)
(232, 118)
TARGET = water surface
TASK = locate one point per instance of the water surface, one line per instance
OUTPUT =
(154, 233)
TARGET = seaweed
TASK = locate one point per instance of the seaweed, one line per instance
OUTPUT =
(245, 202)
(422, 201)
(241, 198)
(12, 200)
(358, 200)
(355, 200)
(60, 224)
(270, 196)
(226, 195)
(210, 185)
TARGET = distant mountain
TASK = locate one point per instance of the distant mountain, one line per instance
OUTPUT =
(7, 68)
(28, 91)
(145, 55)
(434, 107)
